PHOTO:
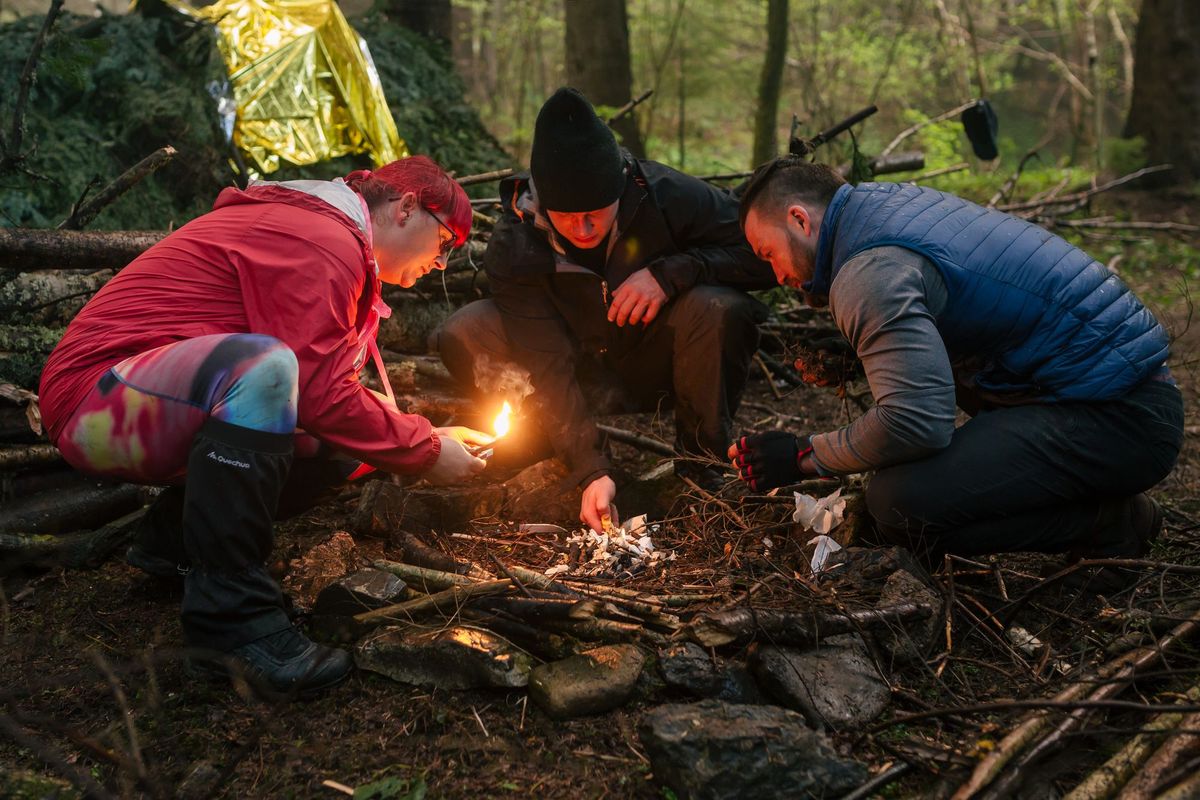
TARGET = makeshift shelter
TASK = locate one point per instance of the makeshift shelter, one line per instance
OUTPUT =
(303, 83)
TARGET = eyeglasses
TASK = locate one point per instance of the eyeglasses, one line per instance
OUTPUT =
(445, 245)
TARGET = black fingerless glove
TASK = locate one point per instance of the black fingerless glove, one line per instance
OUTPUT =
(768, 460)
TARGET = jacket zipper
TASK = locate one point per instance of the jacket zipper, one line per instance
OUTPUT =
(604, 292)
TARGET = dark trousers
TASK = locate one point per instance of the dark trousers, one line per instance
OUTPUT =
(694, 356)
(1032, 477)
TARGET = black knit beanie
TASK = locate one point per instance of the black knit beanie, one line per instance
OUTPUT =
(575, 162)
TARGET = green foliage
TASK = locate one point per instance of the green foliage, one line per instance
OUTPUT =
(111, 90)
(392, 789)
(1123, 156)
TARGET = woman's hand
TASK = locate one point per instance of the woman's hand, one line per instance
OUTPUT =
(455, 463)
(463, 435)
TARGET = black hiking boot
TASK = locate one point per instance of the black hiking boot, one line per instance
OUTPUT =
(285, 663)
(1124, 530)
(157, 547)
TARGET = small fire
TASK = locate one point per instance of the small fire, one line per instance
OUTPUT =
(502, 422)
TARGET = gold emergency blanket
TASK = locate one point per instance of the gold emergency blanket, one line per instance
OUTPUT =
(304, 83)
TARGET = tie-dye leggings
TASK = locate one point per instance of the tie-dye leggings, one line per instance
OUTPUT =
(138, 423)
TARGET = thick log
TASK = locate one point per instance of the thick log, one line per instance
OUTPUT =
(34, 455)
(28, 482)
(48, 297)
(80, 550)
(70, 509)
(541, 608)
(1175, 752)
(742, 625)
(26, 249)
(15, 427)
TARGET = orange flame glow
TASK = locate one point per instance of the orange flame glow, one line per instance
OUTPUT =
(501, 423)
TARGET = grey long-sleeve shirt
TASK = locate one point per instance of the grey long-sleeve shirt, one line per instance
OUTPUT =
(884, 301)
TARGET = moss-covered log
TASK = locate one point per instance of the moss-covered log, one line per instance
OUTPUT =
(79, 550)
(23, 351)
(69, 509)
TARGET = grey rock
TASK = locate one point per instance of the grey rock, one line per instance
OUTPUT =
(834, 685)
(866, 567)
(909, 644)
(687, 667)
(384, 508)
(365, 590)
(713, 750)
(739, 686)
(591, 682)
(200, 781)
(541, 493)
(458, 658)
(333, 613)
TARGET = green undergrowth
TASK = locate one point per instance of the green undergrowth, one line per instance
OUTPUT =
(113, 89)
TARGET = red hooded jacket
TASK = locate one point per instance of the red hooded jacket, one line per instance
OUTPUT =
(272, 259)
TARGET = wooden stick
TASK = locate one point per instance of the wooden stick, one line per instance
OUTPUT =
(422, 577)
(484, 177)
(450, 598)
(1070, 198)
(1145, 784)
(990, 772)
(81, 215)
(628, 107)
(34, 455)
(25, 249)
(1114, 773)
(907, 132)
(787, 627)
(10, 151)
(637, 440)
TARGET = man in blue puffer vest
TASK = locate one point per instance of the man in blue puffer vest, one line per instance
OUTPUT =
(947, 303)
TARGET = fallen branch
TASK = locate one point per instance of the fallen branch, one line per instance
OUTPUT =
(1149, 782)
(26, 249)
(85, 506)
(10, 150)
(34, 455)
(628, 107)
(82, 550)
(422, 577)
(451, 598)
(637, 440)
(484, 177)
(907, 132)
(81, 215)
(741, 625)
(1077, 196)
(992, 773)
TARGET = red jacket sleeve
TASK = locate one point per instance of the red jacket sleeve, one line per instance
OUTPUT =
(303, 278)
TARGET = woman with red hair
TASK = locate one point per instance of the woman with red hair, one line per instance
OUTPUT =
(234, 344)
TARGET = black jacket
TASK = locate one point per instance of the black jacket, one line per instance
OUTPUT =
(555, 312)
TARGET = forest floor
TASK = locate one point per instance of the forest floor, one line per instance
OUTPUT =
(91, 667)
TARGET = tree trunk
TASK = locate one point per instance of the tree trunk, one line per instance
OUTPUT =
(26, 249)
(597, 44)
(427, 17)
(1166, 87)
(766, 135)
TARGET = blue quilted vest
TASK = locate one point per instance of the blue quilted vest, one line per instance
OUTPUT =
(1041, 317)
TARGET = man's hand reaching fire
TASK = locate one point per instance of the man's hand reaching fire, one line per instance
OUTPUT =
(597, 503)
(638, 299)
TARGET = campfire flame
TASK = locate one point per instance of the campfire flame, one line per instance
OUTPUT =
(502, 421)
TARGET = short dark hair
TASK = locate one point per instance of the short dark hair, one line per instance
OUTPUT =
(789, 177)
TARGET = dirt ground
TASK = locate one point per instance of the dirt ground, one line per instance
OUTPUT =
(92, 682)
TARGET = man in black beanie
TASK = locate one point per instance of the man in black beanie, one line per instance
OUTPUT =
(618, 285)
